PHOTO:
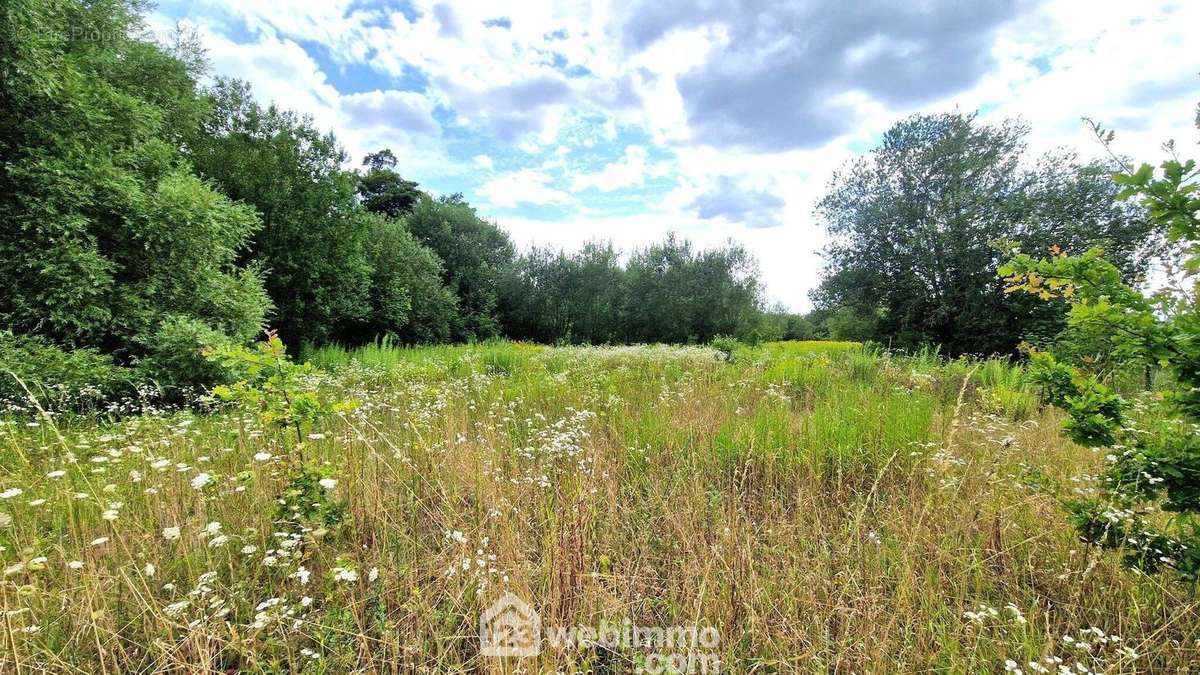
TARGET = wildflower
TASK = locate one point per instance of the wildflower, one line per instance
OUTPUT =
(262, 456)
(373, 574)
(1011, 666)
(316, 437)
(149, 570)
(75, 564)
(38, 563)
(218, 541)
(176, 608)
(37, 502)
(302, 574)
(249, 548)
(343, 574)
(100, 541)
(110, 515)
(15, 568)
(212, 528)
(201, 480)
(327, 483)
(170, 533)
(56, 474)
(10, 493)
(5, 519)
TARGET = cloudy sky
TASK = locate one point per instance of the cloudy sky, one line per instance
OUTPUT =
(575, 120)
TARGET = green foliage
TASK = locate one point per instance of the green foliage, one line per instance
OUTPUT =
(176, 361)
(407, 297)
(725, 344)
(60, 379)
(476, 255)
(914, 225)
(305, 503)
(382, 190)
(1157, 470)
(283, 394)
(312, 241)
(106, 233)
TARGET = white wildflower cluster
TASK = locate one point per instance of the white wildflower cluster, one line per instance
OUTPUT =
(1089, 652)
(478, 565)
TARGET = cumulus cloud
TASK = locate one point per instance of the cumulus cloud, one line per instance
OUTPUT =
(404, 110)
(526, 186)
(629, 171)
(787, 75)
(739, 203)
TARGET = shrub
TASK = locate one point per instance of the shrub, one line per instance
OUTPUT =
(176, 361)
(61, 379)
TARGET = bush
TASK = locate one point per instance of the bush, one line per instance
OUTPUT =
(176, 362)
(61, 379)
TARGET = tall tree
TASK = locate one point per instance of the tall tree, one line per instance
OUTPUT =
(476, 255)
(915, 227)
(382, 189)
(108, 240)
(312, 243)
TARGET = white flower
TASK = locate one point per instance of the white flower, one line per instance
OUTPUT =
(262, 456)
(170, 533)
(37, 502)
(249, 548)
(176, 608)
(10, 493)
(343, 574)
(316, 437)
(100, 541)
(212, 528)
(5, 519)
(75, 564)
(201, 480)
(149, 570)
(373, 574)
(217, 541)
(110, 515)
(56, 474)
(302, 574)
(327, 483)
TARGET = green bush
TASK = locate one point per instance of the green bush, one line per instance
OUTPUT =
(176, 362)
(60, 379)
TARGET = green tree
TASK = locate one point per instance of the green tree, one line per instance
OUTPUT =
(914, 228)
(476, 255)
(312, 243)
(108, 238)
(382, 190)
(1149, 504)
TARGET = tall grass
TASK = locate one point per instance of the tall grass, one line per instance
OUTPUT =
(827, 508)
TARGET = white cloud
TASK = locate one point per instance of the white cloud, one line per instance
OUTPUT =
(523, 187)
(1048, 62)
(630, 171)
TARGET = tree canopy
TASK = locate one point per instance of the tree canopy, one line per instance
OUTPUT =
(919, 226)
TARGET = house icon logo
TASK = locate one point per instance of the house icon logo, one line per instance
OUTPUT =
(510, 627)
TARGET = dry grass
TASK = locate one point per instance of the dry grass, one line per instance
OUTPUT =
(824, 509)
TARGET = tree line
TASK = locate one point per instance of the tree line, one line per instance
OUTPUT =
(148, 217)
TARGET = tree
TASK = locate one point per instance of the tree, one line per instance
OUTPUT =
(109, 241)
(679, 295)
(476, 255)
(312, 243)
(1149, 502)
(382, 190)
(915, 227)
(408, 299)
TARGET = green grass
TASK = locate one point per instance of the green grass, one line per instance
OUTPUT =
(824, 506)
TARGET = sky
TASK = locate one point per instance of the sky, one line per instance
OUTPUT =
(587, 120)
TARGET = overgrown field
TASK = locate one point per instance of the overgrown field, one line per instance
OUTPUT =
(824, 508)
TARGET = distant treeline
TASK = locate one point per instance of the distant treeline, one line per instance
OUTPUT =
(147, 217)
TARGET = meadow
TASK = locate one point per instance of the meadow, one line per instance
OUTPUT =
(825, 507)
